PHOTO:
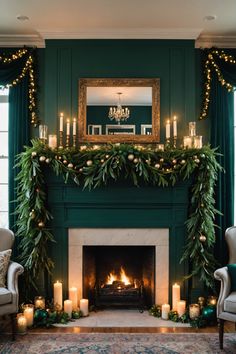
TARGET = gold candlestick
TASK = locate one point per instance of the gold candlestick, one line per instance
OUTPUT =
(61, 140)
(175, 142)
(67, 140)
(74, 140)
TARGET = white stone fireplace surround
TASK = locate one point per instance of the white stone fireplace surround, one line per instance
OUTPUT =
(157, 237)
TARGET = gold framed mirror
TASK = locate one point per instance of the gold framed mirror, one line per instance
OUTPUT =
(119, 110)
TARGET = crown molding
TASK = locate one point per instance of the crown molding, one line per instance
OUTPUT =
(126, 33)
(18, 40)
(215, 41)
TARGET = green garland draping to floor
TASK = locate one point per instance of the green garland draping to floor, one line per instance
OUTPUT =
(93, 166)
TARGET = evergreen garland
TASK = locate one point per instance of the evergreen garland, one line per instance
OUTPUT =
(94, 166)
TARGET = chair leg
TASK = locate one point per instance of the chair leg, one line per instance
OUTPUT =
(13, 325)
(221, 332)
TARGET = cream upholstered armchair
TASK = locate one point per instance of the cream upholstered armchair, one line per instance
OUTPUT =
(9, 295)
(226, 305)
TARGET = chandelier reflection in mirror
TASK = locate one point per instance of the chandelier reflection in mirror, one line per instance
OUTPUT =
(118, 113)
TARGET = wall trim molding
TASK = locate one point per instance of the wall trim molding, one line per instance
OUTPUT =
(215, 41)
(18, 40)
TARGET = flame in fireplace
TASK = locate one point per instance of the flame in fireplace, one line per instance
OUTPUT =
(122, 277)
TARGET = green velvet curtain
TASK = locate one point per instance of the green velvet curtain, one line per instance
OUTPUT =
(19, 126)
(221, 114)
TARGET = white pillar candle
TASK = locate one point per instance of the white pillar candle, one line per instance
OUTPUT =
(61, 122)
(83, 304)
(73, 297)
(29, 314)
(74, 126)
(57, 293)
(21, 323)
(181, 307)
(188, 140)
(68, 127)
(168, 129)
(175, 126)
(52, 141)
(194, 311)
(175, 296)
(68, 307)
(165, 309)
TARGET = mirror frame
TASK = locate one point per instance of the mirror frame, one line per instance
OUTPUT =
(83, 137)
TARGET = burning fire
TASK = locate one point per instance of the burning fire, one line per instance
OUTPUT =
(122, 277)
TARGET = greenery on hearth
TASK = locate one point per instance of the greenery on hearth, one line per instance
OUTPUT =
(155, 311)
(94, 166)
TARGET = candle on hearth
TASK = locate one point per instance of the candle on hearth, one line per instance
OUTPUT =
(194, 311)
(68, 127)
(165, 309)
(57, 293)
(211, 300)
(73, 297)
(74, 126)
(52, 141)
(61, 122)
(83, 304)
(175, 126)
(181, 307)
(39, 302)
(29, 314)
(168, 129)
(175, 296)
(21, 323)
(68, 307)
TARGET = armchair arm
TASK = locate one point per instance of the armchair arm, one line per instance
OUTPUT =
(14, 270)
(223, 276)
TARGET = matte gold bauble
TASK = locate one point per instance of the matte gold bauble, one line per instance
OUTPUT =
(130, 157)
(89, 163)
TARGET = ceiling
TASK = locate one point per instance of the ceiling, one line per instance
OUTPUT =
(157, 19)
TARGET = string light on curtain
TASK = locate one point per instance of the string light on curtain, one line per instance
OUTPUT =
(119, 113)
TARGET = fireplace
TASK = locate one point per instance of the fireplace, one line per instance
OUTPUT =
(143, 254)
(119, 275)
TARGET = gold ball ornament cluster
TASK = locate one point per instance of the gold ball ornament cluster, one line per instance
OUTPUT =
(202, 238)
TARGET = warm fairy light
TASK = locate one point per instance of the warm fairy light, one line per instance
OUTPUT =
(122, 277)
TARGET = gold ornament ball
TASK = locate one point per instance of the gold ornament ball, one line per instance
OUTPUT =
(70, 165)
(107, 156)
(136, 160)
(89, 163)
(182, 162)
(81, 170)
(130, 157)
(47, 160)
(202, 238)
(42, 158)
(157, 165)
(34, 153)
(41, 224)
(161, 160)
(32, 214)
(102, 160)
(65, 162)
(59, 157)
(174, 161)
(197, 160)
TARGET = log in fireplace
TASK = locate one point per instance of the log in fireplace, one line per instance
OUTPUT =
(115, 276)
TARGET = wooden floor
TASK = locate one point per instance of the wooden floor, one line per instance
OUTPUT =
(229, 327)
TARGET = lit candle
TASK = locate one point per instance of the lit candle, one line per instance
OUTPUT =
(57, 294)
(39, 302)
(212, 300)
(197, 141)
(194, 311)
(83, 304)
(21, 323)
(68, 127)
(29, 314)
(73, 297)
(168, 129)
(68, 307)
(175, 126)
(192, 128)
(175, 296)
(74, 126)
(61, 122)
(52, 141)
(181, 307)
(188, 142)
(165, 309)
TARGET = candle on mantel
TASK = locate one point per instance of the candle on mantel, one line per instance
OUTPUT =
(168, 129)
(165, 309)
(57, 293)
(175, 126)
(83, 304)
(61, 122)
(52, 141)
(68, 127)
(175, 296)
(68, 307)
(29, 314)
(181, 307)
(73, 297)
(21, 323)
(74, 126)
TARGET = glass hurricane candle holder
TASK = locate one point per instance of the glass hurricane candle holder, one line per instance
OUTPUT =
(39, 302)
(194, 311)
(43, 132)
(29, 314)
(187, 142)
(197, 142)
(52, 141)
(21, 323)
(192, 128)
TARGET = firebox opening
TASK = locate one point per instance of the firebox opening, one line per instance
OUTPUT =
(119, 275)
